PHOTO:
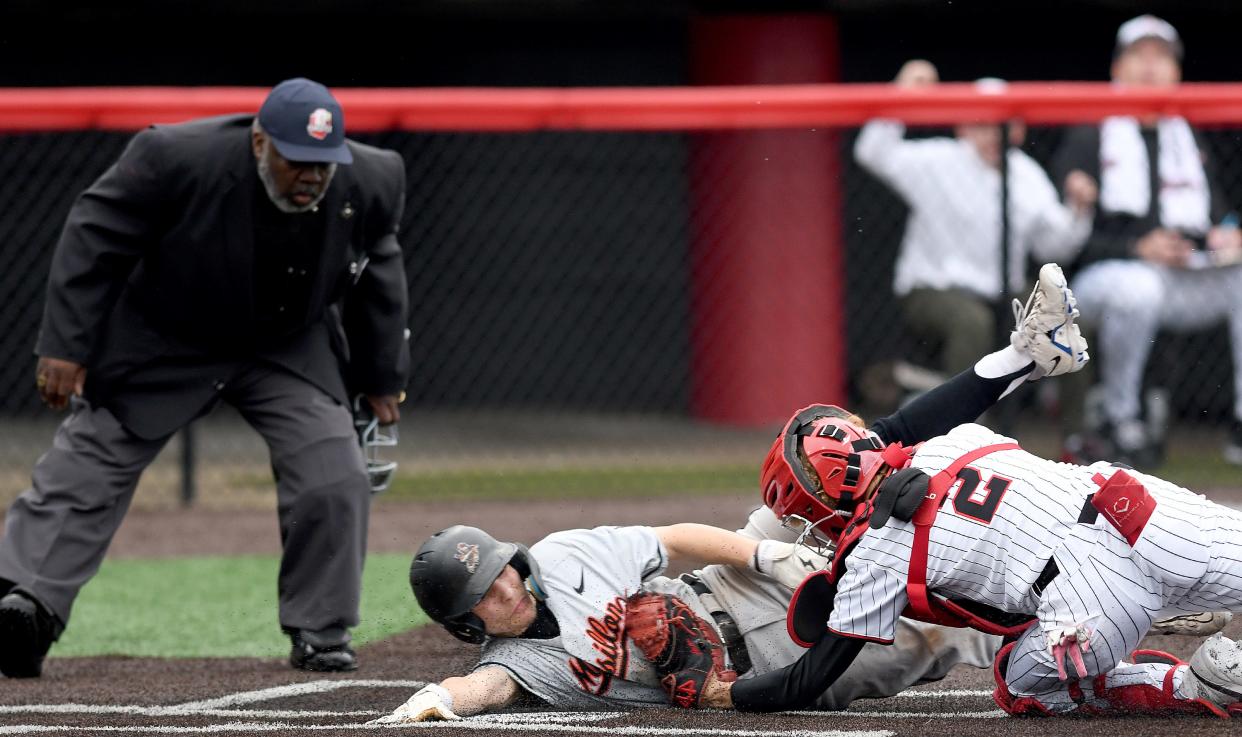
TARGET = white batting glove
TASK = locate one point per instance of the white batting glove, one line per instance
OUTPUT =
(788, 563)
(432, 703)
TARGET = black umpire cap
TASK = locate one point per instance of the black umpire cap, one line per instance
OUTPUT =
(305, 122)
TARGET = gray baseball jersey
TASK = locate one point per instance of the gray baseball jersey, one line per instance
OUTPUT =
(587, 575)
(608, 563)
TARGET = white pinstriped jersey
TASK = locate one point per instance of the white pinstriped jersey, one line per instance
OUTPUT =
(1007, 514)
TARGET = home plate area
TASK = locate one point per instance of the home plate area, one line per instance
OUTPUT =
(324, 706)
(219, 696)
(343, 706)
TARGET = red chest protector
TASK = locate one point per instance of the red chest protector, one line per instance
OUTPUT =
(925, 605)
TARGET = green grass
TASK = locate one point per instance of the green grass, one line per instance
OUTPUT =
(1200, 469)
(563, 483)
(225, 606)
(1195, 470)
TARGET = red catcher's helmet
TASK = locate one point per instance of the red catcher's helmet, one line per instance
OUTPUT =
(821, 467)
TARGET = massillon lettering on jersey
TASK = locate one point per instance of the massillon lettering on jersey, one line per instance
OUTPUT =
(607, 635)
(587, 575)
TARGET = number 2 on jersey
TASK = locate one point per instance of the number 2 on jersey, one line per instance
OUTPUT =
(975, 503)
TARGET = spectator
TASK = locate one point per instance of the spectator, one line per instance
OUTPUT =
(948, 273)
(1154, 233)
(206, 266)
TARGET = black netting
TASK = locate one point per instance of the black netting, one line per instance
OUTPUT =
(552, 273)
(561, 277)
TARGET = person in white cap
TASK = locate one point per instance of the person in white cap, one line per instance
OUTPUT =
(1163, 230)
(948, 272)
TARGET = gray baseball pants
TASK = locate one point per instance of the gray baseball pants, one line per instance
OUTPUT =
(57, 532)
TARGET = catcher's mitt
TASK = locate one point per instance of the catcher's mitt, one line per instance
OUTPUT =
(685, 649)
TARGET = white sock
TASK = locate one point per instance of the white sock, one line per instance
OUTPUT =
(1009, 363)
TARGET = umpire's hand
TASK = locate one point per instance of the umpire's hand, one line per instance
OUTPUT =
(57, 379)
(386, 407)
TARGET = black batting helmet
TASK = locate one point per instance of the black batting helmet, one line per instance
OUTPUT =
(453, 570)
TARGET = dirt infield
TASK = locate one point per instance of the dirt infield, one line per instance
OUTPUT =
(399, 527)
(248, 697)
(256, 696)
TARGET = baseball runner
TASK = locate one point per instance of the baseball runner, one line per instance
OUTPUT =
(969, 530)
(571, 620)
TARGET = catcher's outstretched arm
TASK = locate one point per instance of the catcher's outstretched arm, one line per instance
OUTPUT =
(798, 684)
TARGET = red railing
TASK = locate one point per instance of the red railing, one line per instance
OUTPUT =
(667, 108)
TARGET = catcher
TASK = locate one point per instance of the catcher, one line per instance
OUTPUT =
(1072, 564)
(584, 620)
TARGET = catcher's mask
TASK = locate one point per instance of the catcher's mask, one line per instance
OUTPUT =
(453, 570)
(821, 468)
(372, 437)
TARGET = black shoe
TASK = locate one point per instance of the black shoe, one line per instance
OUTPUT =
(312, 651)
(27, 632)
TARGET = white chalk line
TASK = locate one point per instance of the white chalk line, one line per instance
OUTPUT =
(520, 721)
(293, 689)
(466, 724)
(996, 714)
(173, 711)
(638, 731)
(166, 711)
(218, 706)
(536, 717)
(946, 694)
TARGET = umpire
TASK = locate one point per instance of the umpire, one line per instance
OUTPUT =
(239, 259)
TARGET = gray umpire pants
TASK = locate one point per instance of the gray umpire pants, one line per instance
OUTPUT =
(56, 533)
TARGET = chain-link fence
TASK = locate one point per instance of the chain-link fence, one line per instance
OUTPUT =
(558, 282)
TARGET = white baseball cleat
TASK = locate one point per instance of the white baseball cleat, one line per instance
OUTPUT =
(1044, 328)
(1200, 624)
(1215, 672)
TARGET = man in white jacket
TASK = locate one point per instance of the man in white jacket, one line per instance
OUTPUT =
(948, 273)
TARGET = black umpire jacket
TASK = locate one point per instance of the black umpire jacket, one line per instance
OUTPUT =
(152, 282)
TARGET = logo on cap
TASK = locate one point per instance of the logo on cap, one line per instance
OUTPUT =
(468, 554)
(319, 125)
